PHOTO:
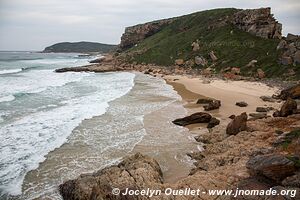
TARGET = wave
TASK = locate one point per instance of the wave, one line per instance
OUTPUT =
(10, 71)
(25, 142)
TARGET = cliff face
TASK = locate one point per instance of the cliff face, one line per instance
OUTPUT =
(259, 22)
(135, 34)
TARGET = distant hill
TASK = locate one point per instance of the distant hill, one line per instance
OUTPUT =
(79, 47)
(236, 37)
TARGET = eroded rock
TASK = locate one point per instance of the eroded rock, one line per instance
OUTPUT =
(199, 117)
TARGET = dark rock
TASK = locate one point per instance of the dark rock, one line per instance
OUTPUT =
(241, 104)
(238, 124)
(215, 104)
(135, 172)
(204, 101)
(292, 181)
(97, 60)
(275, 167)
(276, 113)
(258, 115)
(262, 109)
(202, 140)
(292, 92)
(196, 155)
(268, 99)
(200, 117)
(288, 108)
(213, 122)
(231, 117)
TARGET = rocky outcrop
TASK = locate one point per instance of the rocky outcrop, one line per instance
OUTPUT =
(259, 22)
(238, 124)
(134, 172)
(199, 117)
(134, 34)
(290, 46)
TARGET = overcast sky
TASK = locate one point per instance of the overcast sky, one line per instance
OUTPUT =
(35, 24)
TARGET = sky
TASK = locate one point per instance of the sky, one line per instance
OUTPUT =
(35, 24)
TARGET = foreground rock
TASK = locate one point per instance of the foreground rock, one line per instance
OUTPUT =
(215, 104)
(238, 124)
(199, 117)
(274, 167)
(134, 172)
(213, 122)
(241, 104)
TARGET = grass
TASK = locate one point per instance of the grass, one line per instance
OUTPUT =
(233, 47)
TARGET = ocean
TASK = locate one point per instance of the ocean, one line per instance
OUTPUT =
(55, 126)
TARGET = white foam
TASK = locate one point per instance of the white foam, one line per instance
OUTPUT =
(10, 71)
(7, 98)
(25, 142)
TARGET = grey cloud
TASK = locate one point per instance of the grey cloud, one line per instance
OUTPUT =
(34, 24)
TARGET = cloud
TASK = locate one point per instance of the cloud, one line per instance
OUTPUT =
(34, 24)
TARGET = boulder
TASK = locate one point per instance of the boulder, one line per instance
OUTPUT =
(235, 70)
(262, 109)
(135, 172)
(288, 108)
(199, 117)
(238, 124)
(286, 60)
(213, 122)
(241, 104)
(291, 37)
(179, 62)
(199, 60)
(215, 104)
(260, 74)
(292, 181)
(196, 46)
(258, 115)
(204, 101)
(251, 63)
(213, 57)
(275, 166)
(292, 92)
(268, 99)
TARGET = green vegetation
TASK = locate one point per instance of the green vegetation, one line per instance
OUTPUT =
(79, 47)
(233, 47)
(290, 137)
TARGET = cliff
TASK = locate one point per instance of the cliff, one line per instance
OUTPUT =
(216, 40)
(79, 47)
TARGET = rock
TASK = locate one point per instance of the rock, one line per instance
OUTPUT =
(231, 117)
(213, 56)
(135, 34)
(286, 60)
(196, 46)
(199, 117)
(97, 60)
(260, 74)
(292, 92)
(238, 124)
(196, 155)
(241, 104)
(215, 104)
(213, 122)
(288, 107)
(268, 99)
(179, 62)
(199, 60)
(135, 172)
(282, 45)
(235, 70)
(204, 101)
(297, 57)
(276, 113)
(292, 181)
(259, 22)
(251, 63)
(275, 166)
(291, 37)
(258, 115)
(262, 109)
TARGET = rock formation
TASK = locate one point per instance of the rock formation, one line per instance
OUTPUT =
(238, 124)
(199, 117)
(134, 34)
(259, 22)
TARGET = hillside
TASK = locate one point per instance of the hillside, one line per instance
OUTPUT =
(79, 47)
(221, 39)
